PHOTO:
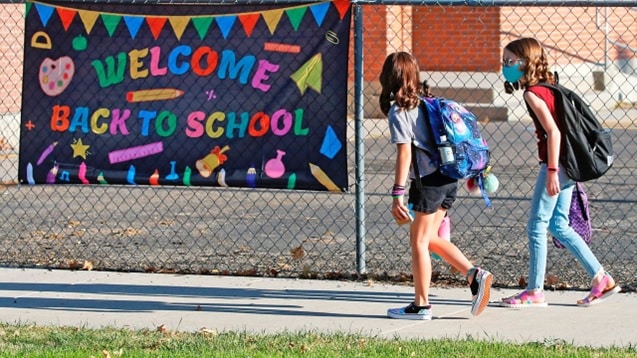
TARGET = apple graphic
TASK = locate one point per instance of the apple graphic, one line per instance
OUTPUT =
(79, 43)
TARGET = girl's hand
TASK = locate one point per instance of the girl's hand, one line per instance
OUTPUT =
(552, 183)
(398, 209)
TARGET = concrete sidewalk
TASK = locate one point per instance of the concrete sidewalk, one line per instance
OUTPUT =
(272, 305)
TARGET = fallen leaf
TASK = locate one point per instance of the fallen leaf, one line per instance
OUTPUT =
(162, 328)
(552, 280)
(88, 265)
(297, 253)
(522, 282)
(106, 354)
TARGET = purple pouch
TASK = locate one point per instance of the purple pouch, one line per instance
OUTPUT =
(578, 216)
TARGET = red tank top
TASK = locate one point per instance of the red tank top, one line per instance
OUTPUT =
(547, 96)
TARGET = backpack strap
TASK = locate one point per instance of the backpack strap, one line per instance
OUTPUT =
(432, 107)
(414, 164)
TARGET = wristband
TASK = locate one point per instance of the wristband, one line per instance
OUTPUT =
(397, 191)
(550, 169)
(396, 194)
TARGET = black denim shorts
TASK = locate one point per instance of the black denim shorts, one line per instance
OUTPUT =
(437, 191)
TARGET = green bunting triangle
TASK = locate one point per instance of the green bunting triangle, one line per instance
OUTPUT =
(110, 22)
(296, 15)
(202, 24)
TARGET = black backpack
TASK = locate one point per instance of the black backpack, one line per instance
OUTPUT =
(587, 149)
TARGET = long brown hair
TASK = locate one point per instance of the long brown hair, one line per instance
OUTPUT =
(535, 67)
(400, 82)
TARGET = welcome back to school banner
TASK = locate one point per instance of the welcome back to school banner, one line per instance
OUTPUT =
(206, 95)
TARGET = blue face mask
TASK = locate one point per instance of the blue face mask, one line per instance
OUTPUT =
(512, 73)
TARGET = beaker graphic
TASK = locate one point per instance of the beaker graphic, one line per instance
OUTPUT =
(274, 168)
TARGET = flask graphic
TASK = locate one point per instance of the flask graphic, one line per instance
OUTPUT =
(275, 168)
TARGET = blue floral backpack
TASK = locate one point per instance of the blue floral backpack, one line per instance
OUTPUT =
(462, 151)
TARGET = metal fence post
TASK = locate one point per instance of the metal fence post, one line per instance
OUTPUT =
(359, 136)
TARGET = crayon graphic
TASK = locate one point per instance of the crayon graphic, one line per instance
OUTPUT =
(81, 174)
(30, 179)
(187, 174)
(157, 94)
(46, 153)
(251, 177)
(101, 179)
(130, 176)
(50, 176)
(154, 178)
(221, 177)
(292, 181)
(320, 175)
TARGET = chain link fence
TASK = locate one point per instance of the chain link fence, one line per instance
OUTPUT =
(283, 233)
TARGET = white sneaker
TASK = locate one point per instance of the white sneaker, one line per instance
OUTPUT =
(480, 301)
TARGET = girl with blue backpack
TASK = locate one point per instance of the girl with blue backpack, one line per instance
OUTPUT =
(431, 193)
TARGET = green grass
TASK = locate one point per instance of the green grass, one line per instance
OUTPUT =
(36, 341)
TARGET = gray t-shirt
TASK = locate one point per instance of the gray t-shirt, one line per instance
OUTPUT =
(406, 126)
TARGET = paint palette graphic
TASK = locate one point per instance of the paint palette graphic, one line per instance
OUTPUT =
(56, 75)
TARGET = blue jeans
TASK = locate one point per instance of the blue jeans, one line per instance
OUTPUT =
(550, 213)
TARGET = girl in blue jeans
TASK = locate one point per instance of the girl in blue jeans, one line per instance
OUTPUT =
(524, 65)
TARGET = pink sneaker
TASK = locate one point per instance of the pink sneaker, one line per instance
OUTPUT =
(524, 299)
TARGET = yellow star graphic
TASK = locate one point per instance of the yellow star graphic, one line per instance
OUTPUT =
(79, 149)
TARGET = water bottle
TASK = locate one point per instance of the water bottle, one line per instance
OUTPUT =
(444, 232)
(445, 150)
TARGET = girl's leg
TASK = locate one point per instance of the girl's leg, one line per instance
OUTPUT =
(424, 227)
(603, 284)
(479, 280)
(542, 206)
(451, 254)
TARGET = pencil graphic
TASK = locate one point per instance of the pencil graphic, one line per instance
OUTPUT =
(46, 153)
(320, 175)
(157, 94)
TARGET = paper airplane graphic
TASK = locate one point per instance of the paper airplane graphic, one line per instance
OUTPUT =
(310, 74)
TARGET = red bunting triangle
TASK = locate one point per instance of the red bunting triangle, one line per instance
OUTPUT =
(156, 24)
(66, 16)
(342, 6)
(249, 21)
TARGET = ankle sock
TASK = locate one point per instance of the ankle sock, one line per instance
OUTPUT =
(474, 286)
(412, 308)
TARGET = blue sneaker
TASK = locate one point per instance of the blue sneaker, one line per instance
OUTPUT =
(482, 281)
(411, 312)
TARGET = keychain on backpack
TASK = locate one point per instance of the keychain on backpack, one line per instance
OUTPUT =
(489, 181)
